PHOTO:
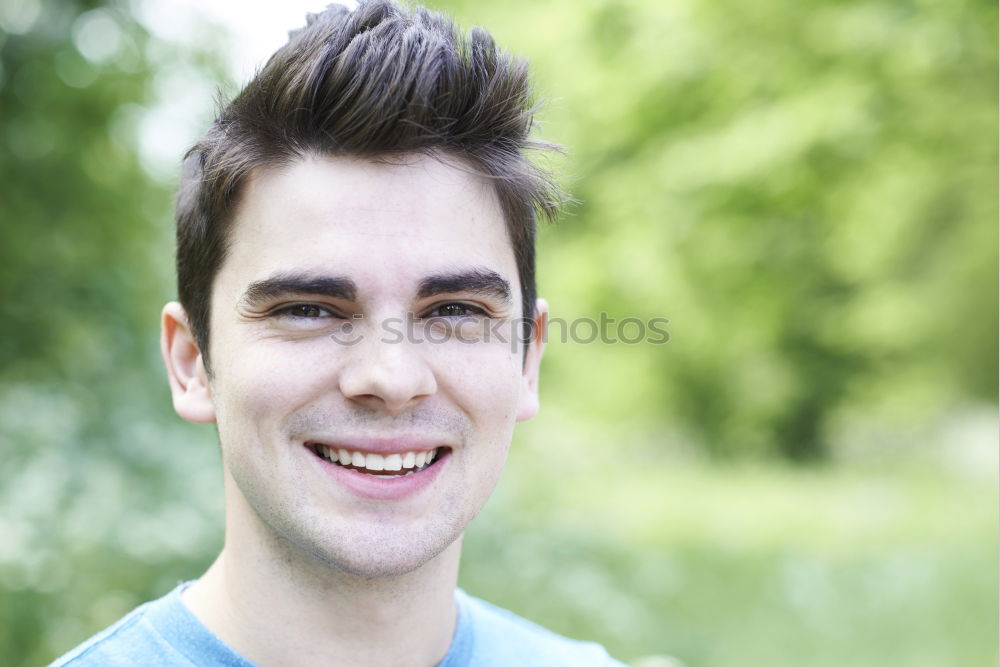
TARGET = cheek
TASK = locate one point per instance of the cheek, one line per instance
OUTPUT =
(483, 379)
(266, 381)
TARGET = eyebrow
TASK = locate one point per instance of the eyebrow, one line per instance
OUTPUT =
(475, 281)
(299, 283)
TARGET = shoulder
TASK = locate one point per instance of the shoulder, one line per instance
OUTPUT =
(130, 641)
(504, 638)
(161, 633)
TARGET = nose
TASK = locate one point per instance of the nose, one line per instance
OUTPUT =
(387, 375)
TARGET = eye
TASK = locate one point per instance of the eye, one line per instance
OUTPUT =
(456, 310)
(303, 311)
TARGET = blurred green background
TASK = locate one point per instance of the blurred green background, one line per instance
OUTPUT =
(806, 474)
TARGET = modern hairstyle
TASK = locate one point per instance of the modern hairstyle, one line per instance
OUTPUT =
(380, 81)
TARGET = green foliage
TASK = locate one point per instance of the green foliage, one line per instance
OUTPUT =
(806, 190)
(99, 486)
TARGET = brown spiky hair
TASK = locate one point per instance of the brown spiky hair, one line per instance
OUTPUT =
(379, 81)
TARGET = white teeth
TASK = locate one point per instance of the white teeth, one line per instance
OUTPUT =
(375, 462)
(393, 462)
(406, 461)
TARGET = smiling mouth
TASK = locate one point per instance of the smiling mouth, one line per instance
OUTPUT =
(399, 464)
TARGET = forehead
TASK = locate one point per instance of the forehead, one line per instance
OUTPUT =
(383, 223)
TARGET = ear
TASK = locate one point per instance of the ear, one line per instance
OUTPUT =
(185, 367)
(528, 403)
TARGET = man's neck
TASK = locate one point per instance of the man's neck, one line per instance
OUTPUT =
(274, 613)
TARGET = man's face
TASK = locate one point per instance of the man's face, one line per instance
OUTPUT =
(351, 313)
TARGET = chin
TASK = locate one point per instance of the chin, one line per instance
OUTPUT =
(378, 558)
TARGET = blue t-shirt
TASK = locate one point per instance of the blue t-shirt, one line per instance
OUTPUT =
(164, 633)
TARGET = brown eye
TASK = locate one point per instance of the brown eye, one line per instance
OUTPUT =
(456, 310)
(304, 310)
(453, 310)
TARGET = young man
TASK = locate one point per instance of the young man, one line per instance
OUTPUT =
(358, 317)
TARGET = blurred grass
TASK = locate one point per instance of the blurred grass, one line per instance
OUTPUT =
(861, 564)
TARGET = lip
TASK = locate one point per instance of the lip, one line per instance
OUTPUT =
(386, 487)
